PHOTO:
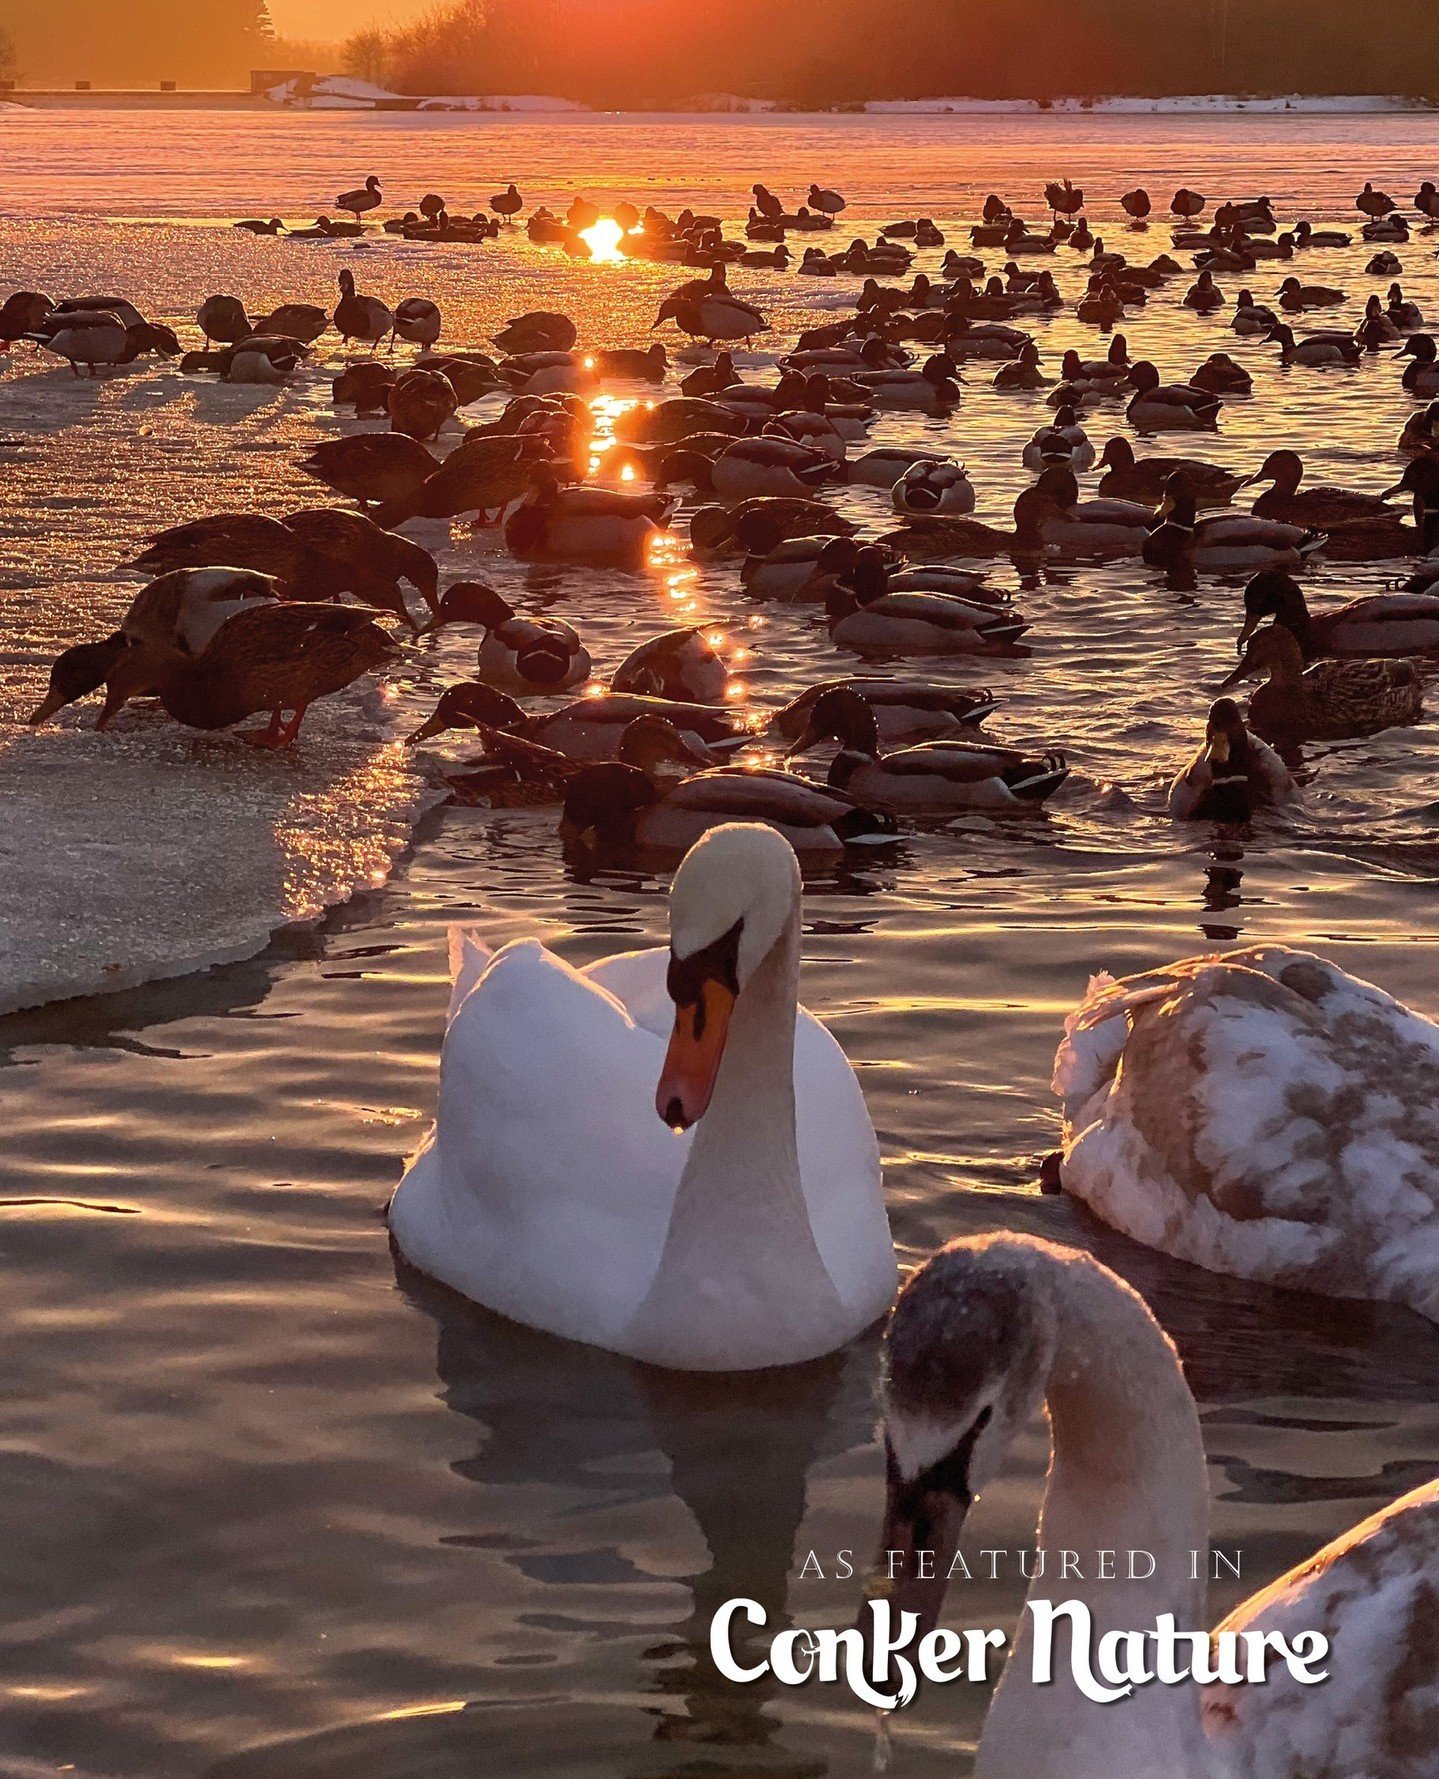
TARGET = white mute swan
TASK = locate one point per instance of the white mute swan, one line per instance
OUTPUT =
(550, 1191)
(984, 1333)
(1264, 1114)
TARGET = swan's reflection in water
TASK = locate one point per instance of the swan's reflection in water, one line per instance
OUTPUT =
(737, 1452)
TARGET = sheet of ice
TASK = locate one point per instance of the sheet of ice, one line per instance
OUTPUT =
(153, 851)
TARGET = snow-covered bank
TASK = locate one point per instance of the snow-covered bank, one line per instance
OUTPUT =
(335, 92)
(1177, 105)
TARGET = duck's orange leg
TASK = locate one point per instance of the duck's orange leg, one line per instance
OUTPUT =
(274, 736)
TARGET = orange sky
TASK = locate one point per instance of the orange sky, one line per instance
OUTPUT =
(334, 20)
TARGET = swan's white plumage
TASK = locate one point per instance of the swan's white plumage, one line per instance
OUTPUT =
(1261, 1114)
(546, 1188)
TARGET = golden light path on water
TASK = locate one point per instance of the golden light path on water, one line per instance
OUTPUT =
(286, 1515)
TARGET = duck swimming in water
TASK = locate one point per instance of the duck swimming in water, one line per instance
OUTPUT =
(866, 614)
(930, 777)
(1144, 479)
(1377, 624)
(516, 654)
(1223, 541)
(1233, 773)
(1330, 701)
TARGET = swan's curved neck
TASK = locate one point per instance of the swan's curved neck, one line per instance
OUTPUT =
(741, 1283)
(1127, 1475)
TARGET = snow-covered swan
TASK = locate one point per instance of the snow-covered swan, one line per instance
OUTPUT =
(1263, 1114)
(990, 1329)
(551, 1191)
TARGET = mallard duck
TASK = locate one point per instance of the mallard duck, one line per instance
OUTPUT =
(515, 771)
(273, 658)
(822, 198)
(906, 710)
(362, 199)
(1319, 507)
(1251, 317)
(614, 805)
(888, 464)
(104, 339)
(1136, 205)
(1379, 624)
(1297, 297)
(304, 322)
(181, 610)
(1233, 773)
(1224, 541)
(223, 319)
(516, 654)
(557, 524)
(719, 531)
(1406, 316)
(1421, 378)
(1023, 372)
(934, 488)
(363, 318)
(508, 203)
(539, 330)
(1314, 350)
(679, 665)
(1169, 407)
(417, 321)
(1330, 701)
(261, 359)
(315, 554)
(421, 402)
(929, 539)
(930, 777)
(590, 728)
(485, 474)
(1375, 329)
(1221, 375)
(933, 389)
(1204, 295)
(716, 315)
(371, 467)
(769, 465)
(363, 385)
(867, 615)
(1065, 442)
(1419, 436)
(22, 314)
(1145, 479)
(1090, 528)
(795, 568)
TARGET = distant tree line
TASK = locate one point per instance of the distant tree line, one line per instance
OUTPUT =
(136, 42)
(633, 53)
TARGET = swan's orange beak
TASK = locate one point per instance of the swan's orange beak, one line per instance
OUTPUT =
(692, 1062)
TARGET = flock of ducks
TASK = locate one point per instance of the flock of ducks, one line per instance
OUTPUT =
(706, 1194)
